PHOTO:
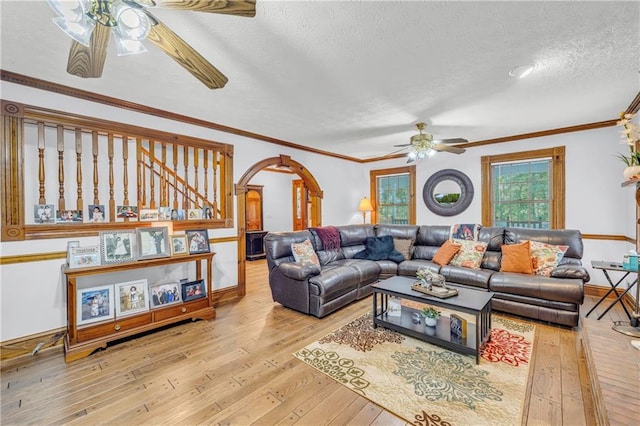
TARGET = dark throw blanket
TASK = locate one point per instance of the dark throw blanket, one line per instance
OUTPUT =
(330, 237)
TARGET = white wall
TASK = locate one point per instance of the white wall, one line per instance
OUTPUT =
(32, 297)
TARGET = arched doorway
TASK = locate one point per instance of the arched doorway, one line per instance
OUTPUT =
(241, 188)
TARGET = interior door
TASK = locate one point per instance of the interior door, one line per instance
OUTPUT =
(254, 208)
(299, 205)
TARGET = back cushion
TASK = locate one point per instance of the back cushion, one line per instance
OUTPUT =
(353, 237)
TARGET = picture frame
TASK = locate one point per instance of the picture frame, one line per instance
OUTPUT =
(152, 242)
(71, 244)
(177, 214)
(207, 212)
(165, 294)
(94, 304)
(194, 214)
(193, 290)
(132, 297)
(127, 212)
(96, 213)
(44, 213)
(82, 257)
(164, 213)
(149, 215)
(69, 216)
(179, 246)
(117, 246)
(198, 241)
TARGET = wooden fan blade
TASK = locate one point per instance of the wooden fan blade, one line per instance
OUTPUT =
(246, 8)
(403, 144)
(88, 62)
(453, 140)
(447, 148)
(185, 55)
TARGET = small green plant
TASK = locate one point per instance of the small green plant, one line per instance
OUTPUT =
(633, 159)
(430, 313)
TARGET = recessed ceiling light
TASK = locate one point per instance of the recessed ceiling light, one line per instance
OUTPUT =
(522, 71)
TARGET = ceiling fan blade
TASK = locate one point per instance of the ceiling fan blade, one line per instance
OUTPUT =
(185, 55)
(447, 148)
(453, 140)
(88, 62)
(245, 8)
(403, 144)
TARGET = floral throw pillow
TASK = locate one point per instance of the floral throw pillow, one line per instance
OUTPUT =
(304, 252)
(547, 256)
(470, 254)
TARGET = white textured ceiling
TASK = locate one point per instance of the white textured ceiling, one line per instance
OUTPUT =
(353, 77)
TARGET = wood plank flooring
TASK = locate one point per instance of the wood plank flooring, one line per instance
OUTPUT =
(238, 370)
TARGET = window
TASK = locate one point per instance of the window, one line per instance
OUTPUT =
(524, 190)
(393, 195)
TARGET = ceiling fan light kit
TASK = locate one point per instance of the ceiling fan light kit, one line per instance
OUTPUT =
(423, 145)
(522, 71)
(89, 24)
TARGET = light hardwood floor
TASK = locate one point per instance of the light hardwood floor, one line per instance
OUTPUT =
(238, 370)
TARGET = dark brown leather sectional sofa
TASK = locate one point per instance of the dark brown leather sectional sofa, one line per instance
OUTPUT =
(341, 279)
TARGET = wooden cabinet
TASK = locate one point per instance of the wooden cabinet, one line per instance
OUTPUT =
(82, 340)
(255, 244)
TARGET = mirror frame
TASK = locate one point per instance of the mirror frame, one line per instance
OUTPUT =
(466, 192)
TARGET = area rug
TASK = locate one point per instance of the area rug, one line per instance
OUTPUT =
(425, 384)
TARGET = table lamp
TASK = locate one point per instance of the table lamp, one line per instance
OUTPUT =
(365, 206)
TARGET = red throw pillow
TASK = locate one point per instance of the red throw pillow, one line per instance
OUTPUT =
(445, 253)
(517, 258)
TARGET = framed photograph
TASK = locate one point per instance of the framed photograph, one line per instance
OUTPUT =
(124, 212)
(164, 213)
(96, 213)
(68, 216)
(165, 294)
(207, 212)
(81, 257)
(198, 240)
(44, 213)
(194, 214)
(179, 245)
(193, 290)
(71, 244)
(149, 215)
(177, 214)
(117, 246)
(94, 304)
(153, 242)
(131, 297)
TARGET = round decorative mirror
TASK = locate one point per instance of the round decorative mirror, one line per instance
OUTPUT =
(448, 192)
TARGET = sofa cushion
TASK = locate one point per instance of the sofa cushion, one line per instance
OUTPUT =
(470, 254)
(547, 256)
(379, 248)
(478, 278)
(304, 252)
(334, 282)
(556, 289)
(517, 258)
(446, 252)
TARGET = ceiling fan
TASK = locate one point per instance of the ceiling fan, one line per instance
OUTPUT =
(423, 145)
(90, 24)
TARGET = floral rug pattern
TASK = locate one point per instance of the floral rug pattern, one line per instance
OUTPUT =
(426, 384)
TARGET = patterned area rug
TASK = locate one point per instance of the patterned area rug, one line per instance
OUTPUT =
(425, 384)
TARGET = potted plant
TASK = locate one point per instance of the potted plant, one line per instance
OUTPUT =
(431, 316)
(631, 136)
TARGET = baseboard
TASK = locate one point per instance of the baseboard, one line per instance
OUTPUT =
(32, 344)
(599, 291)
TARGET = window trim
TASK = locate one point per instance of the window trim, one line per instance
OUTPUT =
(557, 156)
(373, 189)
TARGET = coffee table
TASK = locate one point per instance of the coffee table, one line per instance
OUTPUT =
(474, 302)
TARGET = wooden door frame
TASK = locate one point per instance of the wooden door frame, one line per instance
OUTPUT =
(241, 188)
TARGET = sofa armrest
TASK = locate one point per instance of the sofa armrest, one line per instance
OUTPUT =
(571, 271)
(299, 271)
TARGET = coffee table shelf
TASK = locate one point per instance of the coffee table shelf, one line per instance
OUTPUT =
(468, 301)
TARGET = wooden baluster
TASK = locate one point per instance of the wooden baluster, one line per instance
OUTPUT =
(41, 175)
(112, 201)
(125, 169)
(206, 172)
(186, 204)
(61, 167)
(95, 151)
(79, 201)
(152, 177)
(196, 166)
(215, 184)
(164, 196)
(175, 176)
(139, 173)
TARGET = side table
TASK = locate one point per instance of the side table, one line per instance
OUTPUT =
(605, 266)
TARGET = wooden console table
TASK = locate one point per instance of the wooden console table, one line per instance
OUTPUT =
(81, 341)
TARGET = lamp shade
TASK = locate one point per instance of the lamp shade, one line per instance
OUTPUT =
(365, 205)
